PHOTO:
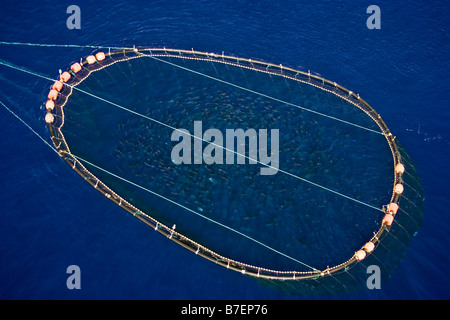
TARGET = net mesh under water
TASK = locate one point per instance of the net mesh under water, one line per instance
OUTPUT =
(114, 121)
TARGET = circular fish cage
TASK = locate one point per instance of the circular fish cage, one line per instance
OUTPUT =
(276, 173)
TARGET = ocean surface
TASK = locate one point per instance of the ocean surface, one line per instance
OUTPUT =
(51, 219)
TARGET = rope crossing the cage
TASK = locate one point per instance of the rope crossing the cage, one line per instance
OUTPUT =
(196, 72)
(199, 138)
(157, 194)
(264, 95)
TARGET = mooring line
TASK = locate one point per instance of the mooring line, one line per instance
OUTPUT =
(61, 45)
(29, 127)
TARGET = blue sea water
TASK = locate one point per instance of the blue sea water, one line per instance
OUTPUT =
(50, 218)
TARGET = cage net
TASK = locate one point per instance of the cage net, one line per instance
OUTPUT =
(279, 174)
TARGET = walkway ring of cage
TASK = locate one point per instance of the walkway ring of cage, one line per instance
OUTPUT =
(100, 60)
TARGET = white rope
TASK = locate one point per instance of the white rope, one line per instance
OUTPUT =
(193, 71)
(29, 127)
(157, 194)
(264, 95)
(190, 210)
(199, 138)
(229, 150)
(61, 45)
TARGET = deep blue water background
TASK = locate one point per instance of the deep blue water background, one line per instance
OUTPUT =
(50, 218)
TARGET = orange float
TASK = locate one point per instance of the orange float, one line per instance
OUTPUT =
(76, 67)
(65, 76)
(369, 247)
(398, 189)
(49, 105)
(392, 208)
(53, 94)
(399, 168)
(58, 85)
(90, 59)
(360, 255)
(388, 219)
(49, 118)
(100, 56)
